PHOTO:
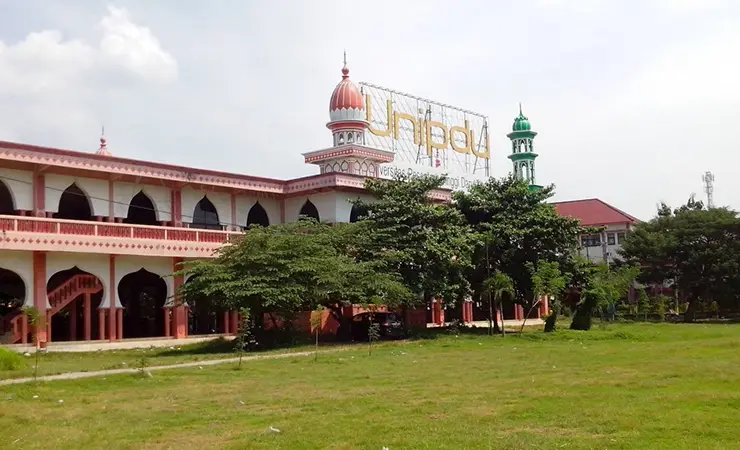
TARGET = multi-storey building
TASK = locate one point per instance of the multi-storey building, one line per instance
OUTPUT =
(604, 246)
(92, 240)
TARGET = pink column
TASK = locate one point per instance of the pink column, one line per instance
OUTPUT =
(234, 322)
(88, 317)
(112, 316)
(40, 295)
(176, 207)
(24, 329)
(111, 202)
(48, 326)
(233, 227)
(180, 320)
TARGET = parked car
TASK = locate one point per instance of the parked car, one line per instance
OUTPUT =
(389, 325)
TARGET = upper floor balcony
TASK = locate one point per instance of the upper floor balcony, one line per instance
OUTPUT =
(60, 235)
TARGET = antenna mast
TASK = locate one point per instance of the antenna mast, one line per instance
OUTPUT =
(708, 179)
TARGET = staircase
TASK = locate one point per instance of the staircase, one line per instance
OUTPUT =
(11, 328)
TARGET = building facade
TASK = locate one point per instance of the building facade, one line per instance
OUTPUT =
(91, 240)
(602, 247)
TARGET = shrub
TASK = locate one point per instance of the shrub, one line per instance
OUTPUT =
(10, 360)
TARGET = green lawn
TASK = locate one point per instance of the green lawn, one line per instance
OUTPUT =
(629, 386)
(56, 362)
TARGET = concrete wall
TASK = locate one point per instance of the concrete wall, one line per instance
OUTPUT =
(22, 264)
(20, 185)
(160, 196)
(244, 203)
(95, 189)
(95, 264)
(221, 200)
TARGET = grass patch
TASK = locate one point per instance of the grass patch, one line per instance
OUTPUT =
(631, 386)
(53, 363)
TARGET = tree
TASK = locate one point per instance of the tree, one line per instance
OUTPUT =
(605, 287)
(426, 242)
(515, 226)
(547, 280)
(698, 249)
(497, 286)
(291, 268)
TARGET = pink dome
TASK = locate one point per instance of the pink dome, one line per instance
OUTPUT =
(346, 101)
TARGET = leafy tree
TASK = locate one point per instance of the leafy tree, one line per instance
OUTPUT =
(547, 280)
(425, 241)
(605, 287)
(696, 248)
(515, 226)
(497, 286)
(291, 268)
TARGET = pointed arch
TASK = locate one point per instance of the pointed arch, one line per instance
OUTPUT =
(74, 316)
(143, 295)
(257, 216)
(308, 210)
(205, 215)
(7, 205)
(357, 213)
(141, 210)
(74, 204)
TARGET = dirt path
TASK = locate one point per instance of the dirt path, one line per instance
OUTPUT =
(99, 373)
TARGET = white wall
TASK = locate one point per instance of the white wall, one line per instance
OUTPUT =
(160, 196)
(160, 266)
(20, 185)
(325, 203)
(95, 264)
(221, 200)
(244, 204)
(596, 254)
(95, 189)
(22, 264)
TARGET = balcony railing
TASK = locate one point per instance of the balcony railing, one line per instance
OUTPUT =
(62, 227)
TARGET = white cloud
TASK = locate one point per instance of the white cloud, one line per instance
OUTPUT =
(135, 47)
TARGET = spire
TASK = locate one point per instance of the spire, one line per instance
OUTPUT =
(345, 70)
(103, 150)
(520, 109)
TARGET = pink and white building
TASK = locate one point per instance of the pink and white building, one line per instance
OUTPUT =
(92, 239)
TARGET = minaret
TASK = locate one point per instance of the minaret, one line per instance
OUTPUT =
(522, 150)
(348, 123)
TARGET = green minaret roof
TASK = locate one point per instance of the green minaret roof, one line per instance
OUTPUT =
(521, 123)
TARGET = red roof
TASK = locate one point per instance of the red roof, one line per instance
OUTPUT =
(593, 212)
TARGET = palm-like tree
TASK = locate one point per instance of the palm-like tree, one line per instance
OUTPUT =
(496, 286)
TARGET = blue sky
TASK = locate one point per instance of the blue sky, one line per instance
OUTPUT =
(633, 100)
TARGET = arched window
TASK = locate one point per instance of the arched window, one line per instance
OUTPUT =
(341, 139)
(205, 216)
(74, 205)
(141, 210)
(357, 213)
(257, 216)
(6, 200)
(309, 211)
(350, 138)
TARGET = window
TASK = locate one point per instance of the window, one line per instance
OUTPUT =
(591, 241)
(611, 239)
(621, 237)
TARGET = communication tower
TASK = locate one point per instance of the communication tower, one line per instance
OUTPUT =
(708, 179)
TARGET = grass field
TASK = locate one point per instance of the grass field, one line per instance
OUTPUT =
(56, 362)
(626, 387)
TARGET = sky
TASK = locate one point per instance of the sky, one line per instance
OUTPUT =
(633, 100)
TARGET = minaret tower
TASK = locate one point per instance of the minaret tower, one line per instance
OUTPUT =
(522, 150)
(348, 123)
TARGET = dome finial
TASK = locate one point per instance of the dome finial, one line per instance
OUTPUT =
(520, 108)
(345, 70)
(103, 150)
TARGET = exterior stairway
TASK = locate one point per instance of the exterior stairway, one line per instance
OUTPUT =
(12, 326)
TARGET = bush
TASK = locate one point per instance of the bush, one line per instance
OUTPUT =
(10, 360)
